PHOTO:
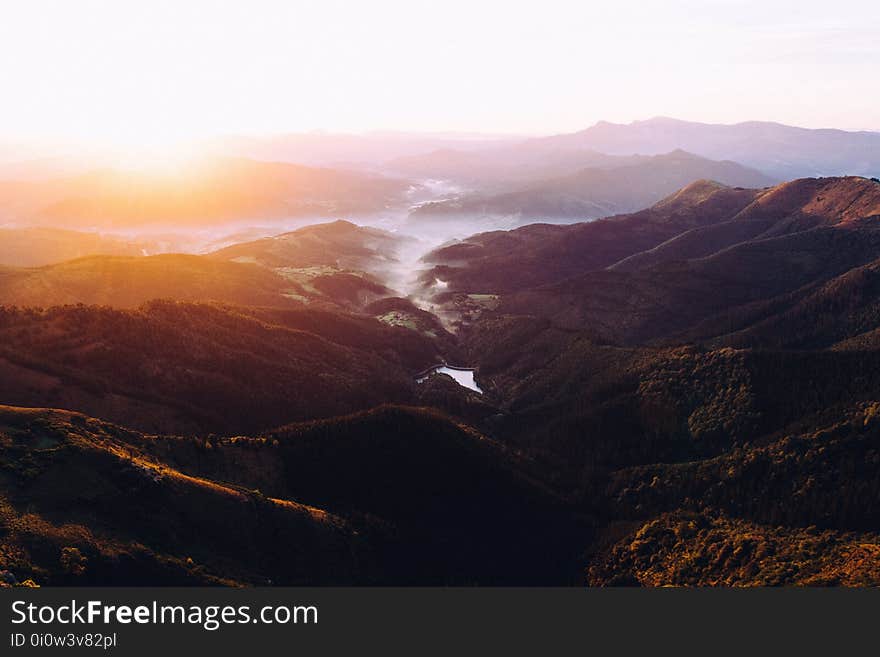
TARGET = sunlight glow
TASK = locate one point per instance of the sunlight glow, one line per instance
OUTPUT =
(156, 158)
(145, 74)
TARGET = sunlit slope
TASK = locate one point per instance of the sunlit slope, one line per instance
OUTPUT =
(338, 264)
(127, 282)
(81, 503)
(35, 247)
(798, 510)
(201, 193)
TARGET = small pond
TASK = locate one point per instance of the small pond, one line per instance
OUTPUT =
(463, 376)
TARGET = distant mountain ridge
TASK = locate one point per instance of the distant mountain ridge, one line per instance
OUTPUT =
(779, 150)
(625, 186)
(500, 165)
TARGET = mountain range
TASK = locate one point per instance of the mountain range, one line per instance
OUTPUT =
(782, 151)
(681, 394)
(621, 185)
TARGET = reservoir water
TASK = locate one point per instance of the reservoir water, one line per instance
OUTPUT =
(463, 377)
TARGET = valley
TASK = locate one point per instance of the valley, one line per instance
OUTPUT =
(517, 363)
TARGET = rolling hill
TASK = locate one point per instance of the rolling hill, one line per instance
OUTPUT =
(128, 282)
(336, 244)
(284, 271)
(338, 261)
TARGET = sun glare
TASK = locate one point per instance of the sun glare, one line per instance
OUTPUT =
(139, 74)
(156, 158)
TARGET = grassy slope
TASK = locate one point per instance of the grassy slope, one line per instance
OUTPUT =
(128, 282)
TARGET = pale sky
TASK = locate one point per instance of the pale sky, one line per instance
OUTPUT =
(130, 72)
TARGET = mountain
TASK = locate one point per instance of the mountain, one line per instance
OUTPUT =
(684, 395)
(503, 261)
(228, 276)
(596, 364)
(811, 245)
(491, 514)
(205, 192)
(179, 367)
(500, 165)
(796, 205)
(797, 511)
(339, 244)
(337, 262)
(736, 553)
(370, 150)
(82, 502)
(34, 247)
(778, 150)
(699, 221)
(128, 282)
(86, 502)
(597, 192)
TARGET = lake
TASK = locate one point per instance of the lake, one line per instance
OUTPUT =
(463, 376)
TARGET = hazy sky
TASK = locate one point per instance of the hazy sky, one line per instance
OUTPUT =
(131, 72)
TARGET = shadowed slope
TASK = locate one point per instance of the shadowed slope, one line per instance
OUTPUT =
(185, 367)
(538, 254)
(417, 499)
(461, 504)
